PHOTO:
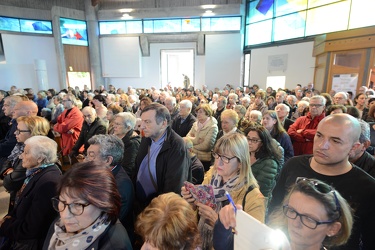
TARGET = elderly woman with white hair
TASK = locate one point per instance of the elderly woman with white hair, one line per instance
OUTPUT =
(27, 225)
(123, 128)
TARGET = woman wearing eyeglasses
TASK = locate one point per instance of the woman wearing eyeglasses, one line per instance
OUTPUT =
(232, 173)
(26, 226)
(313, 215)
(88, 202)
(13, 173)
(264, 155)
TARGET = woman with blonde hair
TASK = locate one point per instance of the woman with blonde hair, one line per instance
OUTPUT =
(231, 173)
(13, 173)
(203, 134)
(168, 222)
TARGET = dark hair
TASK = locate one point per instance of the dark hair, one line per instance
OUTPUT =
(100, 98)
(353, 111)
(334, 107)
(268, 147)
(328, 98)
(357, 96)
(92, 183)
(52, 91)
(162, 112)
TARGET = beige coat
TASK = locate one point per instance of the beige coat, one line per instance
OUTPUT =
(204, 139)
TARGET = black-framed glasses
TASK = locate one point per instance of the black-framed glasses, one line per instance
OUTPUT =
(19, 131)
(222, 157)
(323, 188)
(74, 208)
(305, 220)
(251, 140)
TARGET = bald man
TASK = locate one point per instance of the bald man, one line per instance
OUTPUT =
(337, 136)
(91, 126)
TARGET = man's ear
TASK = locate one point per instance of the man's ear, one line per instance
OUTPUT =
(355, 146)
(109, 160)
(366, 144)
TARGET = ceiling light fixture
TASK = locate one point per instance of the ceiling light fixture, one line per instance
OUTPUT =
(208, 6)
(126, 16)
(208, 13)
(125, 10)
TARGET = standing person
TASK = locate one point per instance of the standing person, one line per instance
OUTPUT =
(101, 110)
(183, 123)
(303, 130)
(336, 137)
(69, 124)
(88, 203)
(41, 101)
(162, 163)
(27, 225)
(203, 134)
(57, 110)
(232, 173)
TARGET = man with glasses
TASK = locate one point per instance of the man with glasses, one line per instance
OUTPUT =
(340, 98)
(303, 130)
(337, 136)
(69, 124)
(108, 151)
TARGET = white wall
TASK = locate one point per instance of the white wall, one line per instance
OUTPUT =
(223, 60)
(20, 52)
(220, 65)
(300, 67)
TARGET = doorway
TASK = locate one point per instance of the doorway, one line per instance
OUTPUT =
(174, 65)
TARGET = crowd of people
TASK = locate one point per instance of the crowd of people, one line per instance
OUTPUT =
(107, 169)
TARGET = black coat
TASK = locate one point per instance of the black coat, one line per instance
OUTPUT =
(182, 129)
(32, 216)
(96, 128)
(172, 165)
(131, 146)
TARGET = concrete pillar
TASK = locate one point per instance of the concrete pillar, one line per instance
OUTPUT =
(94, 48)
(41, 73)
(55, 12)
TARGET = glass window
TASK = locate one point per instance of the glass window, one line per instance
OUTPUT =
(11, 24)
(289, 6)
(73, 32)
(352, 60)
(290, 26)
(260, 10)
(191, 24)
(36, 26)
(133, 27)
(148, 26)
(316, 3)
(106, 28)
(221, 23)
(328, 18)
(361, 15)
(171, 25)
(259, 33)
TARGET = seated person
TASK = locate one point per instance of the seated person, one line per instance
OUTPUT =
(170, 223)
(197, 169)
(89, 203)
(313, 215)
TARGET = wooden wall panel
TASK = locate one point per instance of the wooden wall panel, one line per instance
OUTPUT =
(77, 58)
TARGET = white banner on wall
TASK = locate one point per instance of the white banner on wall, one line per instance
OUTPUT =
(278, 62)
(345, 83)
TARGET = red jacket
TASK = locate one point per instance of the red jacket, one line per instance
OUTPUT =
(303, 142)
(73, 122)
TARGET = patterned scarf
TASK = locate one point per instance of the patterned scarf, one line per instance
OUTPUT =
(220, 187)
(30, 173)
(16, 152)
(62, 240)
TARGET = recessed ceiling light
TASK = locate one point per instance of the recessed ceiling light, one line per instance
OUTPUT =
(208, 6)
(125, 10)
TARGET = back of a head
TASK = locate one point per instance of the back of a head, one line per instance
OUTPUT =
(169, 222)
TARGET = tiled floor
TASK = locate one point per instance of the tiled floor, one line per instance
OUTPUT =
(4, 200)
